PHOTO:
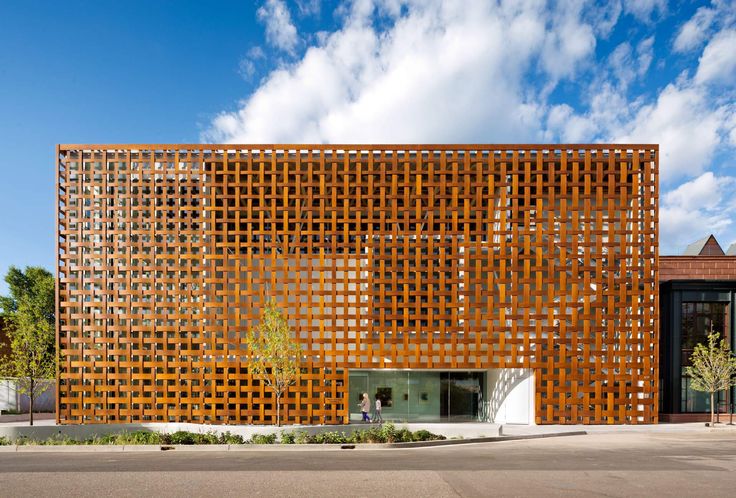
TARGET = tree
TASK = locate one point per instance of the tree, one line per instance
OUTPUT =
(713, 368)
(274, 353)
(29, 312)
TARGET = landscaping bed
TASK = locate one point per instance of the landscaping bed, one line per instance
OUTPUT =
(386, 433)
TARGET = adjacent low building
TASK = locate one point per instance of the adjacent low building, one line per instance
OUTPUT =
(513, 283)
(698, 294)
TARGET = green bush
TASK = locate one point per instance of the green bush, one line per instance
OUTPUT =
(302, 437)
(332, 437)
(129, 438)
(425, 435)
(263, 439)
(404, 436)
(228, 438)
(386, 433)
(185, 437)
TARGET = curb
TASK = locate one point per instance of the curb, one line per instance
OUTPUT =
(131, 448)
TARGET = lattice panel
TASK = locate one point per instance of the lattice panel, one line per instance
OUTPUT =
(445, 257)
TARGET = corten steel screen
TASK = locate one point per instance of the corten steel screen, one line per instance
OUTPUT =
(408, 256)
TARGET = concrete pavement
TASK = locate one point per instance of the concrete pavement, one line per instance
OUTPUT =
(681, 463)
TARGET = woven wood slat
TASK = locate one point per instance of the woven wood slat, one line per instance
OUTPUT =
(433, 257)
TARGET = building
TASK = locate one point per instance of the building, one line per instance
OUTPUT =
(514, 283)
(698, 293)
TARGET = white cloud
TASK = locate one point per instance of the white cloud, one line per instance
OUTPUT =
(645, 54)
(695, 209)
(569, 126)
(308, 7)
(704, 192)
(280, 31)
(247, 65)
(644, 10)
(718, 62)
(604, 16)
(445, 71)
(684, 123)
(694, 32)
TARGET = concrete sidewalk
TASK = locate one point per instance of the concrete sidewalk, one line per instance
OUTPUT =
(47, 428)
(23, 418)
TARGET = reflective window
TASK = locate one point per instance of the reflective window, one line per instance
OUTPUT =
(419, 396)
(699, 320)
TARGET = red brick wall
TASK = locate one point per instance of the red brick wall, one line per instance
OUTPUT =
(697, 267)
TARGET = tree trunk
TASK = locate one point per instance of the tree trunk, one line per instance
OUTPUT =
(278, 410)
(31, 395)
(712, 413)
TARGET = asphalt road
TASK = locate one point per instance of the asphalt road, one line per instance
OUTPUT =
(624, 464)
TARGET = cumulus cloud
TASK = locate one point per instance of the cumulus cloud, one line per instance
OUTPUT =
(718, 62)
(695, 209)
(645, 10)
(627, 64)
(685, 124)
(444, 71)
(280, 30)
(694, 32)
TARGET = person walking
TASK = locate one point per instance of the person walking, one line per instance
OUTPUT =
(365, 407)
(377, 416)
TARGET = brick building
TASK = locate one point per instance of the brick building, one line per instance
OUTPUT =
(698, 293)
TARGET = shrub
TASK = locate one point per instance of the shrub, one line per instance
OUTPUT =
(287, 438)
(302, 437)
(59, 440)
(129, 438)
(332, 437)
(228, 438)
(4, 441)
(185, 437)
(263, 439)
(404, 436)
(425, 435)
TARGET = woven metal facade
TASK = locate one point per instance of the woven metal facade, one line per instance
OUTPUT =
(431, 257)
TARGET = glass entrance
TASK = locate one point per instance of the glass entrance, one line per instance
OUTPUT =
(419, 396)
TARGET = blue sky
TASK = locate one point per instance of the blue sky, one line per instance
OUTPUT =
(369, 71)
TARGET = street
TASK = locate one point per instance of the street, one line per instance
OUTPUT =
(610, 464)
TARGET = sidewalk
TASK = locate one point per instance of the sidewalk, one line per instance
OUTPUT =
(23, 417)
(46, 427)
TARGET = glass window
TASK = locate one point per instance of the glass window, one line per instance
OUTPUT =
(699, 320)
(419, 395)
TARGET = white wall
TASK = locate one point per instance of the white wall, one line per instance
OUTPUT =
(12, 400)
(510, 396)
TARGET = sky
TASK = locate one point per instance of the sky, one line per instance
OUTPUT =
(369, 71)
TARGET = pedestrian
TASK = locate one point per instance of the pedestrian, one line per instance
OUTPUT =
(377, 416)
(365, 406)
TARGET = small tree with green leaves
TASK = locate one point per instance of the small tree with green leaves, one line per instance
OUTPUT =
(274, 353)
(29, 311)
(713, 368)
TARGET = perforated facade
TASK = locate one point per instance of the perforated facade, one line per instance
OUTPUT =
(409, 256)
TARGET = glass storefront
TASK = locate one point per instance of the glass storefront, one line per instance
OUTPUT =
(419, 396)
(699, 319)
